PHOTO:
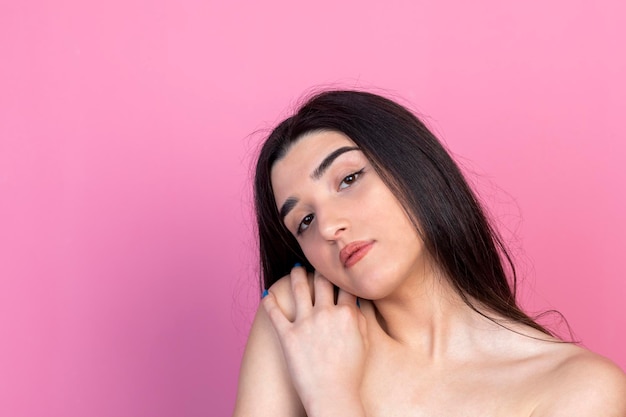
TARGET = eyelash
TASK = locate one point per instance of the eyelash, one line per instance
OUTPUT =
(348, 183)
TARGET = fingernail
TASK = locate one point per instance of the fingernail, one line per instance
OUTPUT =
(297, 264)
(358, 303)
(265, 292)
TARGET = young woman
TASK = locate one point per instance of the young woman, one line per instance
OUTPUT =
(387, 289)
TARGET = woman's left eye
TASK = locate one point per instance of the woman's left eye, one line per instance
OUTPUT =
(350, 179)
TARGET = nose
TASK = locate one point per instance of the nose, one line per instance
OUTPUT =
(332, 224)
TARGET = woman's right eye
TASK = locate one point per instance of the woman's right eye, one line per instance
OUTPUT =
(304, 224)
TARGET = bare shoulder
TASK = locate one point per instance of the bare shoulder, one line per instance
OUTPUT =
(580, 384)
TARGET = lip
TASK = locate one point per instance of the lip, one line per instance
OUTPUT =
(354, 252)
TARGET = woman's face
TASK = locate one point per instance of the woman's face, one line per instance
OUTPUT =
(350, 226)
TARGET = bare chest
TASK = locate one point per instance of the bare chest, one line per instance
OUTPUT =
(402, 388)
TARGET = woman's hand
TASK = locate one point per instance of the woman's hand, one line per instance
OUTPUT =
(324, 347)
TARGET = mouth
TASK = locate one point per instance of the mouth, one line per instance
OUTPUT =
(354, 252)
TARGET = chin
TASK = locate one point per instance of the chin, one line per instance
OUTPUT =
(379, 284)
(371, 289)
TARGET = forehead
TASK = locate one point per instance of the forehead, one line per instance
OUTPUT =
(301, 158)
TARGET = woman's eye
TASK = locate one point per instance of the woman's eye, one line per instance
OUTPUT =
(349, 180)
(304, 224)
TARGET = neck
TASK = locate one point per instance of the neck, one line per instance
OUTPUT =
(428, 316)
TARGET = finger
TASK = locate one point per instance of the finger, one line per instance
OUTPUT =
(324, 290)
(301, 291)
(374, 328)
(368, 309)
(363, 326)
(274, 312)
(345, 298)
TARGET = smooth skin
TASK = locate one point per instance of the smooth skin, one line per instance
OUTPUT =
(416, 349)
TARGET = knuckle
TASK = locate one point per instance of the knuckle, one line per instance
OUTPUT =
(344, 312)
(272, 311)
(300, 288)
(325, 314)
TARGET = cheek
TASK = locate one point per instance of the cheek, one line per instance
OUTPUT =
(320, 256)
(313, 253)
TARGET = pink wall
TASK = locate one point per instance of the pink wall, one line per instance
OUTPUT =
(127, 265)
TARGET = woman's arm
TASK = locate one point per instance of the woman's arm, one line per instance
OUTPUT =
(265, 387)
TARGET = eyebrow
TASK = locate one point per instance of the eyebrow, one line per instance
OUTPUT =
(319, 171)
(287, 207)
(291, 202)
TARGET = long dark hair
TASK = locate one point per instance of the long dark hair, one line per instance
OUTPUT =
(421, 174)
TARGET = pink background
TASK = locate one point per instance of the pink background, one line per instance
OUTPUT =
(127, 129)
